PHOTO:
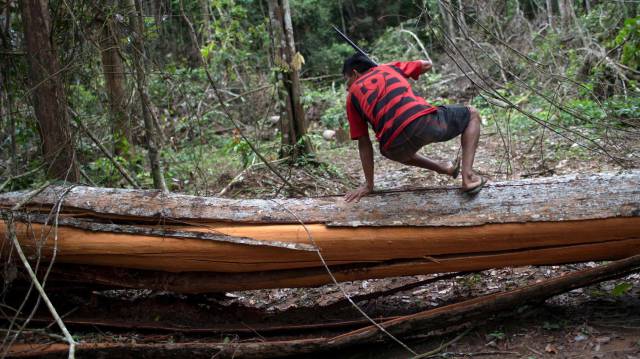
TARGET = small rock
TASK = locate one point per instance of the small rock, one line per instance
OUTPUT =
(274, 119)
(492, 344)
(328, 134)
(603, 340)
(580, 338)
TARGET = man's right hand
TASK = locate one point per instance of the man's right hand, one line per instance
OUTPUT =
(355, 195)
(426, 66)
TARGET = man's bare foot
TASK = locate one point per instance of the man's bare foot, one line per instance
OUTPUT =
(472, 181)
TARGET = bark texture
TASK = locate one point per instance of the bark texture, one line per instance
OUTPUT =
(113, 70)
(151, 130)
(49, 98)
(196, 244)
(553, 199)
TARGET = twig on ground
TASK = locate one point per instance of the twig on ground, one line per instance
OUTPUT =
(56, 212)
(11, 230)
(239, 177)
(443, 346)
(398, 289)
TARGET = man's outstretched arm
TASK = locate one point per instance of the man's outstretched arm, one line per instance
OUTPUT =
(366, 157)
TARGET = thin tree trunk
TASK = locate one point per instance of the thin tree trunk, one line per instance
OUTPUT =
(562, 9)
(550, 13)
(151, 133)
(447, 20)
(292, 122)
(461, 20)
(279, 43)
(6, 104)
(300, 123)
(113, 70)
(49, 98)
(206, 21)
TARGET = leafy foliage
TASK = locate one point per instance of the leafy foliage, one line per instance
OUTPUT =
(629, 39)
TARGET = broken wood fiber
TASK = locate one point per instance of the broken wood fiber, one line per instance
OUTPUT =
(135, 238)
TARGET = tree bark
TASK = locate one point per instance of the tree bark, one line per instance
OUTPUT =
(206, 21)
(6, 101)
(565, 198)
(550, 13)
(151, 132)
(114, 76)
(210, 244)
(292, 123)
(462, 22)
(447, 19)
(564, 15)
(49, 98)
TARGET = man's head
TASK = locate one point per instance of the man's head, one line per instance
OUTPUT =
(355, 66)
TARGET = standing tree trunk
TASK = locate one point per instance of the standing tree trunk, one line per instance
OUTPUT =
(447, 19)
(113, 70)
(49, 99)
(151, 132)
(462, 22)
(292, 122)
(550, 13)
(567, 13)
(5, 95)
(206, 22)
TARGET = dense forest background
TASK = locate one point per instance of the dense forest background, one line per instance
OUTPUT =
(190, 95)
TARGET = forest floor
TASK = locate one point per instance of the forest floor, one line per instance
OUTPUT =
(601, 321)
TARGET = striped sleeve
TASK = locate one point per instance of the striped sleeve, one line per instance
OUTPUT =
(410, 69)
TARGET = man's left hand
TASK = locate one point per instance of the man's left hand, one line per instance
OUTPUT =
(357, 194)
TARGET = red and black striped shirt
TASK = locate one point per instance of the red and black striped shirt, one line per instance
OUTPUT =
(383, 97)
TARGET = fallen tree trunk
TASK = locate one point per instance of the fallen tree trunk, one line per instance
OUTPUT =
(150, 239)
(442, 317)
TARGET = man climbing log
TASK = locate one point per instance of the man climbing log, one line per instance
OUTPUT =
(404, 123)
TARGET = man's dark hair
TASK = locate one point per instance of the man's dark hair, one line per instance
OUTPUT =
(358, 62)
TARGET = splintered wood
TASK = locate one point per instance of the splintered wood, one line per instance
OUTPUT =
(149, 239)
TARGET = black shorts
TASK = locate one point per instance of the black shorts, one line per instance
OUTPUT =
(442, 125)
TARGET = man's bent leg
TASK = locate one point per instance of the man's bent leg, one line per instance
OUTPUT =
(409, 156)
(423, 162)
(470, 138)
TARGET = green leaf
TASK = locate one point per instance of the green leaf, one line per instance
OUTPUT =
(621, 288)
